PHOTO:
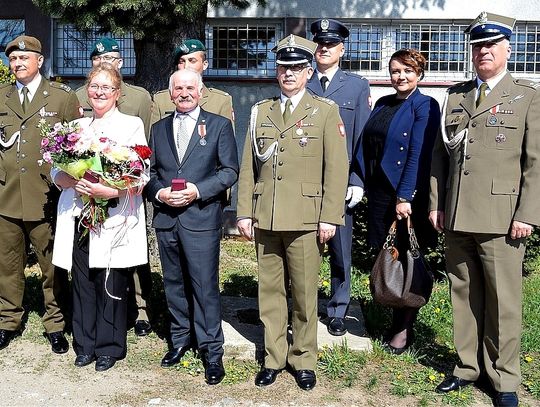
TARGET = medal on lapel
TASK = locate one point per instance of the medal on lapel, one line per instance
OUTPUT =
(299, 125)
(202, 133)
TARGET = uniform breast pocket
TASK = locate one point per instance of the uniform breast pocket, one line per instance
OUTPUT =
(6, 127)
(307, 141)
(503, 132)
(264, 137)
(454, 124)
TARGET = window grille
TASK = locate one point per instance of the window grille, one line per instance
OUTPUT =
(9, 30)
(363, 48)
(525, 55)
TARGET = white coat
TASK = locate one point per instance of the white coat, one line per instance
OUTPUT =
(121, 241)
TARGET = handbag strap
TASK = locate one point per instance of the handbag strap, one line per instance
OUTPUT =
(391, 237)
(415, 247)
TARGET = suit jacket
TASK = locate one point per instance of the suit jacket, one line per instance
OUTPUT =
(496, 180)
(351, 94)
(26, 190)
(409, 143)
(133, 100)
(212, 168)
(305, 182)
(212, 100)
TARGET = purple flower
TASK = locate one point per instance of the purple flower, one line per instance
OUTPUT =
(47, 157)
(73, 136)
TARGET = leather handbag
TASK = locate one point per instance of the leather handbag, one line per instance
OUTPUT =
(401, 281)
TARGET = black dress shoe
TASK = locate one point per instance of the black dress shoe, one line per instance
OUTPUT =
(306, 379)
(59, 343)
(83, 360)
(336, 326)
(142, 328)
(452, 383)
(173, 356)
(5, 337)
(506, 399)
(266, 377)
(104, 363)
(214, 372)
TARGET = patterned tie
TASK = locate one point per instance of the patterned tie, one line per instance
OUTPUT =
(287, 111)
(182, 137)
(481, 93)
(324, 81)
(25, 101)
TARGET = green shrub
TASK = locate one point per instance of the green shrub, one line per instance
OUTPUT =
(5, 76)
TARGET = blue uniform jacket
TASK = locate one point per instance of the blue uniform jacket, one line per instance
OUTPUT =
(409, 143)
(351, 93)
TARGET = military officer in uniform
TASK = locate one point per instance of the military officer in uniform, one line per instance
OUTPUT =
(135, 101)
(484, 195)
(191, 54)
(351, 94)
(292, 184)
(28, 198)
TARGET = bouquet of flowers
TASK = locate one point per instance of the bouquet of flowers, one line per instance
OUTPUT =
(80, 153)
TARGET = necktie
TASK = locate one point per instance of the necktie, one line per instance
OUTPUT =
(182, 137)
(25, 101)
(481, 93)
(287, 111)
(324, 81)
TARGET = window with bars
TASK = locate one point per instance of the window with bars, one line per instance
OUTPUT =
(10, 28)
(525, 56)
(242, 49)
(443, 45)
(363, 49)
(72, 50)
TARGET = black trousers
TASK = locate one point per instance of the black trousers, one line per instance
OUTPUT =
(99, 321)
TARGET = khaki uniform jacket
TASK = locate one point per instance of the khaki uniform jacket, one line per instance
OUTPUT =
(213, 101)
(134, 101)
(497, 179)
(26, 190)
(305, 182)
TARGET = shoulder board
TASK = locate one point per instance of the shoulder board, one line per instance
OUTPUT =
(160, 92)
(219, 92)
(527, 83)
(353, 75)
(458, 86)
(261, 102)
(136, 88)
(60, 85)
(325, 100)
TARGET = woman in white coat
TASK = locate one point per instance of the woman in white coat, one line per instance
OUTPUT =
(100, 263)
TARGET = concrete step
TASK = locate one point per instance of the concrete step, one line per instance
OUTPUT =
(244, 332)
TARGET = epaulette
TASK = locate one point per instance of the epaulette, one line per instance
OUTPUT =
(61, 85)
(527, 83)
(136, 88)
(458, 87)
(219, 92)
(325, 100)
(354, 75)
(260, 102)
(159, 92)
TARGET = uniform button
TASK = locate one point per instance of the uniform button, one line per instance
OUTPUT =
(280, 163)
(404, 134)
(513, 189)
(468, 157)
(24, 141)
(502, 121)
(282, 135)
(179, 172)
(23, 169)
(474, 124)
(23, 127)
(23, 155)
(466, 172)
(401, 149)
(399, 163)
(282, 149)
(279, 177)
(471, 140)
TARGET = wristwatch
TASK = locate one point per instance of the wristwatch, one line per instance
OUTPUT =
(402, 200)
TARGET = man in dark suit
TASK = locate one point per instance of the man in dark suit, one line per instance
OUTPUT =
(484, 195)
(28, 198)
(198, 147)
(351, 94)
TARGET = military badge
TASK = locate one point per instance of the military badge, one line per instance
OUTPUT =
(495, 109)
(325, 24)
(202, 133)
(184, 48)
(290, 41)
(22, 45)
(515, 99)
(492, 120)
(501, 138)
(303, 142)
(100, 47)
(299, 132)
(483, 17)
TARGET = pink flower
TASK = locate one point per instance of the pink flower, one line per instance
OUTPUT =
(73, 136)
(47, 157)
(44, 142)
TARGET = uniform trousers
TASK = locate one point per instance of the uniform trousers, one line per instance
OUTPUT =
(485, 272)
(295, 254)
(340, 248)
(190, 261)
(99, 321)
(16, 238)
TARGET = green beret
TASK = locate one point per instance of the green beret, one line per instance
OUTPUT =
(24, 43)
(187, 47)
(104, 45)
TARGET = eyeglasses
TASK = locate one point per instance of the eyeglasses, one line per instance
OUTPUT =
(106, 89)
(106, 58)
(295, 69)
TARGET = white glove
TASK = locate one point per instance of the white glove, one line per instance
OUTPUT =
(354, 195)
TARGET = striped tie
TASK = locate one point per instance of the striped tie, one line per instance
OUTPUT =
(182, 137)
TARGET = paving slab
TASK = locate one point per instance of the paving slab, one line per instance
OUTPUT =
(244, 332)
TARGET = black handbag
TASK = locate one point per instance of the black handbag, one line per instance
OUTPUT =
(395, 283)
